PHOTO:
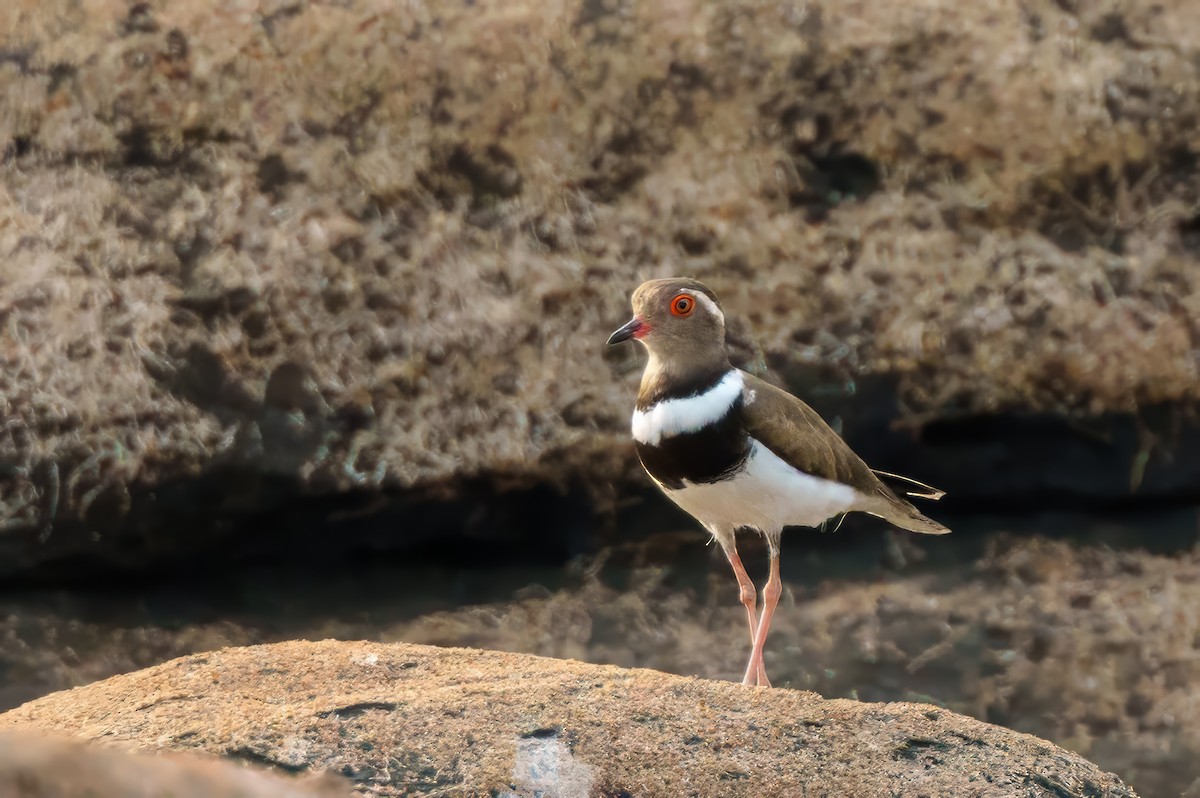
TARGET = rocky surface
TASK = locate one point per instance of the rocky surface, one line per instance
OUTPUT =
(416, 720)
(252, 251)
(34, 766)
(1090, 648)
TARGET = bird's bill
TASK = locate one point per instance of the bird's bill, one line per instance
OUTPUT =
(630, 330)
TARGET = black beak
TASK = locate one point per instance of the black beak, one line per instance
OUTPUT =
(626, 332)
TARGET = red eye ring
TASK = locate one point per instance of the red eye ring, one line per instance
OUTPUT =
(682, 305)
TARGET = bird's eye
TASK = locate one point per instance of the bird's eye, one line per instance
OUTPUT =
(683, 305)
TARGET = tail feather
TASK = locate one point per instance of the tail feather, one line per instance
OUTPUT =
(931, 493)
(895, 510)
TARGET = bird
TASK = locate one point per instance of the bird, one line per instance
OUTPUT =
(736, 452)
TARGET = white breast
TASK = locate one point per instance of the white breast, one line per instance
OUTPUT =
(768, 495)
(680, 416)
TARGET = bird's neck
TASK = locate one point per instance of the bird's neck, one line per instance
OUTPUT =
(664, 379)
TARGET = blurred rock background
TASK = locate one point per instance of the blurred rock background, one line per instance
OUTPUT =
(296, 294)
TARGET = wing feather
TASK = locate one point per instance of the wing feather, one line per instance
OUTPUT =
(800, 437)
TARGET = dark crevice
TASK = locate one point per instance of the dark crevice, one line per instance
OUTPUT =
(486, 178)
(1013, 461)
(494, 175)
(826, 181)
(1189, 234)
(251, 508)
(139, 150)
(147, 147)
(1111, 28)
(19, 147)
(917, 748)
(259, 758)
(274, 175)
(237, 517)
(1043, 474)
(1025, 461)
(354, 710)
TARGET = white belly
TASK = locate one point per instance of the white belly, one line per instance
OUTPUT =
(768, 495)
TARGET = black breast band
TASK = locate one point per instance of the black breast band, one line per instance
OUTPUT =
(712, 453)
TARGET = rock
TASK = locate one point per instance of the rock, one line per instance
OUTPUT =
(33, 766)
(418, 720)
(1090, 648)
(987, 636)
(252, 254)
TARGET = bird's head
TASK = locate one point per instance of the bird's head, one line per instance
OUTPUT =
(680, 322)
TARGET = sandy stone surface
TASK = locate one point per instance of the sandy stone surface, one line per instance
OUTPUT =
(1090, 648)
(37, 766)
(415, 720)
(253, 250)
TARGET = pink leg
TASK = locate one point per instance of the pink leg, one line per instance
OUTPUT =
(746, 591)
(771, 593)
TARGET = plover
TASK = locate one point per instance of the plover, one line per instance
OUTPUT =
(736, 452)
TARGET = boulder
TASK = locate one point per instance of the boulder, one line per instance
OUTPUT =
(419, 720)
(1088, 647)
(256, 253)
(36, 766)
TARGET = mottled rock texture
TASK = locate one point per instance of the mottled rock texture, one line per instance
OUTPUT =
(252, 250)
(35, 766)
(416, 720)
(1090, 648)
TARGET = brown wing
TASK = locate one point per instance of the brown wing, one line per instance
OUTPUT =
(800, 437)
